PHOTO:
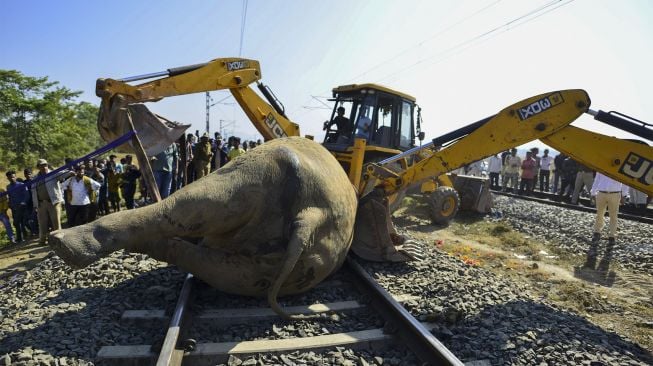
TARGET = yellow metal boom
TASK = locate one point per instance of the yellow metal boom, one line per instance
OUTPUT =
(545, 117)
(234, 74)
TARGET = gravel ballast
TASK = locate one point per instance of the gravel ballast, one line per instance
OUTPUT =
(572, 230)
(53, 315)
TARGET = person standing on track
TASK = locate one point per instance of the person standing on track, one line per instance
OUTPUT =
(545, 172)
(528, 174)
(512, 164)
(609, 194)
(494, 168)
(584, 177)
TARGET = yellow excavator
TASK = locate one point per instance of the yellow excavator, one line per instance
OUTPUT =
(375, 139)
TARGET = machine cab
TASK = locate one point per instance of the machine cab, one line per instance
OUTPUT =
(381, 116)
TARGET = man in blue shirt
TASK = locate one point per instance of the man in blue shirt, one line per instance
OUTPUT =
(18, 199)
(163, 166)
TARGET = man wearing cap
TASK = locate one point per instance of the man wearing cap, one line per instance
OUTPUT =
(202, 156)
(47, 198)
(81, 192)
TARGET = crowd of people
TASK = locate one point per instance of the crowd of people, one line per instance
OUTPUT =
(570, 181)
(101, 186)
(192, 157)
(560, 175)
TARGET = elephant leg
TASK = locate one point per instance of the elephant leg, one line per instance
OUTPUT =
(225, 270)
(301, 237)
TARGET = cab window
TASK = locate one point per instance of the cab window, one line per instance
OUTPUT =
(406, 131)
(364, 118)
(384, 132)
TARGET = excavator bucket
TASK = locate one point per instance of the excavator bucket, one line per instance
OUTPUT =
(375, 238)
(155, 132)
(474, 193)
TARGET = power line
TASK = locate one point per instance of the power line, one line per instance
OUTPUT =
(512, 24)
(221, 100)
(243, 20)
(428, 39)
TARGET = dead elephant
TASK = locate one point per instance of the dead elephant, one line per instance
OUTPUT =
(277, 220)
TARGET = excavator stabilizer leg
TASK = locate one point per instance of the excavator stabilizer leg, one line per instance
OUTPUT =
(375, 238)
(474, 193)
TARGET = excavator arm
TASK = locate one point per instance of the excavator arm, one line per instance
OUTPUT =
(546, 117)
(627, 161)
(234, 74)
(527, 120)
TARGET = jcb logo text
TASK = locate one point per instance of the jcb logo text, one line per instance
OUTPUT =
(274, 126)
(237, 65)
(638, 167)
(540, 106)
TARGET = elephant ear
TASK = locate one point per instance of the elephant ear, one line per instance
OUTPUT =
(301, 237)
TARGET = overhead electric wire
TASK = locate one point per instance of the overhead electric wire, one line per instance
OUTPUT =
(462, 46)
(428, 39)
(419, 44)
(243, 21)
(512, 24)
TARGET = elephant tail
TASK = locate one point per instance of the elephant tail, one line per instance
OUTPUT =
(306, 223)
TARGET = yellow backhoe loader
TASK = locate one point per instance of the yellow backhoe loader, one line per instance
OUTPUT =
(375, 139)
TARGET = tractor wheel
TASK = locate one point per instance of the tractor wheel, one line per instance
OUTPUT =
(444, 203)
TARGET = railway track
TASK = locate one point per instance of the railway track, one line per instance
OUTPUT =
(626, 213)
(383, 322)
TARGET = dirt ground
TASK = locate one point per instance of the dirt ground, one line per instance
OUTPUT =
(611, 297)
(20, 257)
(608, 295)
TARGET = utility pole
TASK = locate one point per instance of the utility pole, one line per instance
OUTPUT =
(208, 101)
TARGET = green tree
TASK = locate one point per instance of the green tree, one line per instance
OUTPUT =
(40, 118)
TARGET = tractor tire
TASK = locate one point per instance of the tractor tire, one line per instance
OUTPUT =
(444, 203)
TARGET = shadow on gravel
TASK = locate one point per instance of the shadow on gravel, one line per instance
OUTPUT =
(527, 332)
(596, 268)
(82, 320)
(408, 222)
(424, 224)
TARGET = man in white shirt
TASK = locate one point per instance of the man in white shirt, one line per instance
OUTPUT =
(609, 194)
(545, 171)
(81, 191)
(494, 168)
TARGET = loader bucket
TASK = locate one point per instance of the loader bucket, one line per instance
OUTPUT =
(474, 193)
(375, 238)
(155, 132)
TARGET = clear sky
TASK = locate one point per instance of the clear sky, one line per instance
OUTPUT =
(462, 60)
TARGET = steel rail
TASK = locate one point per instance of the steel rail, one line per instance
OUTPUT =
(425, 345)
(170, 342)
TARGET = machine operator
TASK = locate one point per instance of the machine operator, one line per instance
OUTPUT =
(342, 122)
